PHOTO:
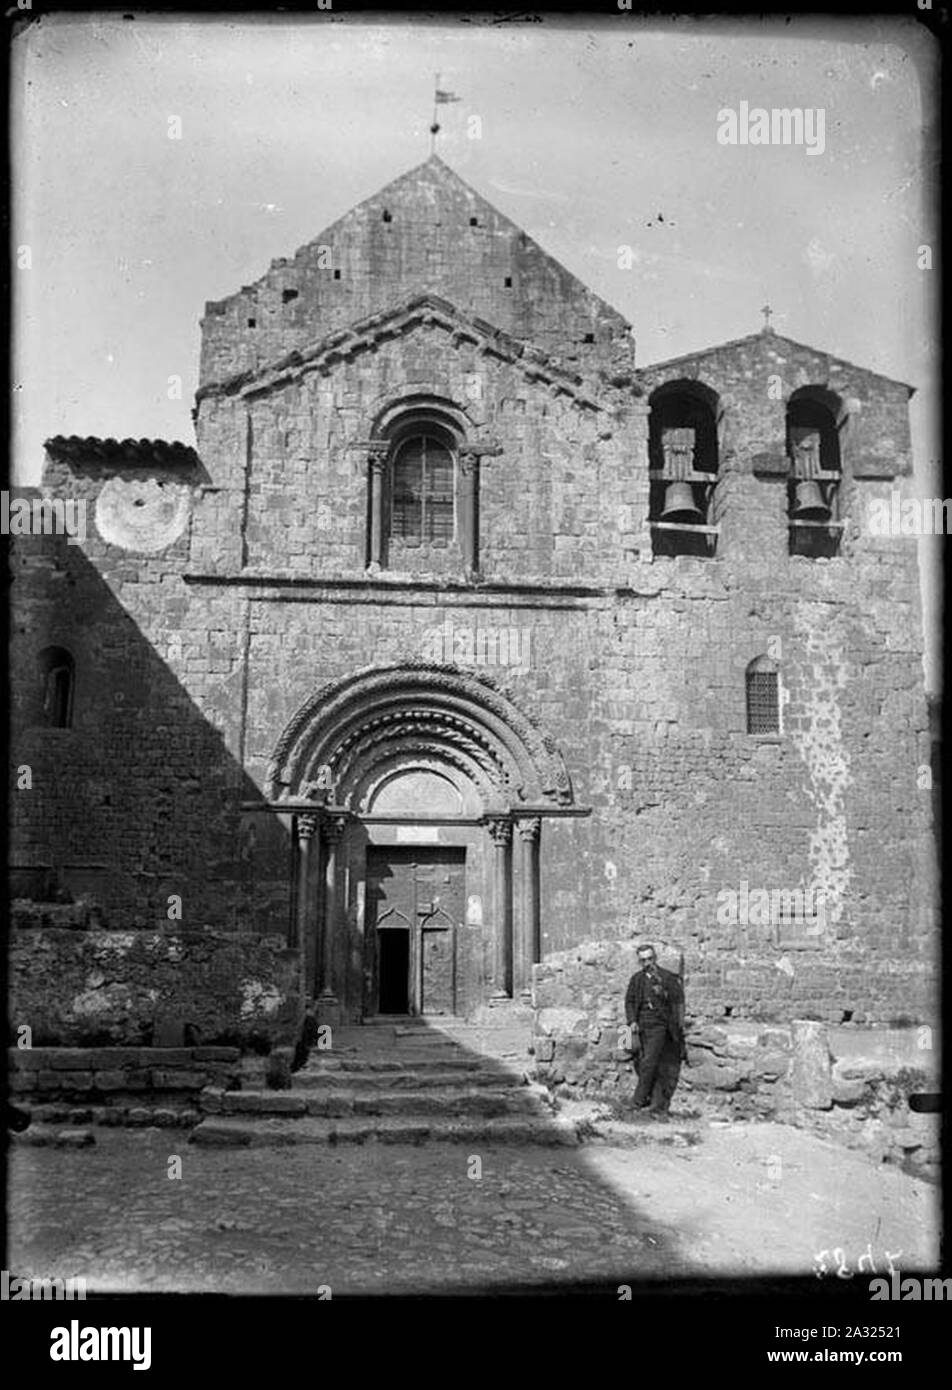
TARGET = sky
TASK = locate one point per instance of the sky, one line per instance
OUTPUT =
(591, 136)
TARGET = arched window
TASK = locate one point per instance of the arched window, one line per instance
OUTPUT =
(56, 672)
(422, 504)
(763, 696)
(683, 462)
(815, 418)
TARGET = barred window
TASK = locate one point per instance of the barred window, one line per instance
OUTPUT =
(56, 671)
(763, 697)
(422, 508)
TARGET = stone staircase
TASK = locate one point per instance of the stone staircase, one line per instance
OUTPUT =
(396, 1081)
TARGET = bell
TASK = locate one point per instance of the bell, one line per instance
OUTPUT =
(679, 504)
(808, 502)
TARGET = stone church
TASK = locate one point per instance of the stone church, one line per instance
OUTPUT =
(460, 653)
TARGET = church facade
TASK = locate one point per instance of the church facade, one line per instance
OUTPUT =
(459, 640)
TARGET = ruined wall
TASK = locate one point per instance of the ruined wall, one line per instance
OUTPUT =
(141, 988)
(428, 230)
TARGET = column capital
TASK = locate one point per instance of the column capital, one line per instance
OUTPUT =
(529, 827)
(333, 828)
(372, 447)
(480, 448)
(307, 824)
(500, 828)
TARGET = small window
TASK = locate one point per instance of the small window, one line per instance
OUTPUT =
(288, 295)
(386, 216)
(589, 338)
(422, 504)
(56, 670)
(474, 221)
(252, 323)
(508, 282)
(336, 274)
(763, 696)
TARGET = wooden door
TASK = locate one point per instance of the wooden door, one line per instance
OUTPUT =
(419, 891)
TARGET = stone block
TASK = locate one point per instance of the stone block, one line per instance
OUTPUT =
(120, 1080)
(276, 1104)
(848, 1093)
(166, 1057)
(771, 1064)
(163, 1080)
(112, 1058)
(562, 1022)
(810, 1066)
(544, 1049)
(74, 1139)
(74, 1080)
(26, 1058)
(138, 1116)
(70, 1059)
(216, 1054)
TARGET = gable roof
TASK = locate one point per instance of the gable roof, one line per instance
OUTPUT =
(762, 338)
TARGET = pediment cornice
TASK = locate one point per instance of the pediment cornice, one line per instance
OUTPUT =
(420, 311)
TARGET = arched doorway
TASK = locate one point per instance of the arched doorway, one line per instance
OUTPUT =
(419, 794)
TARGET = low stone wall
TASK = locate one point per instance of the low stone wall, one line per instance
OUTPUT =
(849, 1083)
(118, 1085)
(829, 982)
(78, 986)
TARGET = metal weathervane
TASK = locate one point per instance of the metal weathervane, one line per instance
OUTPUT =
(440, 98)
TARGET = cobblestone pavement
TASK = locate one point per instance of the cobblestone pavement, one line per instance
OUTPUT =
(378, 1218)
(395, 1219)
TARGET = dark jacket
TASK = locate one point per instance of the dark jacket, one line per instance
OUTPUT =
(672, 1007)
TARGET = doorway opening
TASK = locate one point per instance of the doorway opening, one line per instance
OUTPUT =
(394, 970)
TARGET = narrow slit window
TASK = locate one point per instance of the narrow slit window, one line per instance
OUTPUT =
(763, 697)
(56, 688)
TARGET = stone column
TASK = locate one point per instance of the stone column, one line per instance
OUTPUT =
(469, 508)
(304, 828)
(328, 1004)
(530, 936)
(377, 464)
(501, 832)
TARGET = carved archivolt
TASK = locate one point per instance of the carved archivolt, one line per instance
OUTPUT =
(351, 732)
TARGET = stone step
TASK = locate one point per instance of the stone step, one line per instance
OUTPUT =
(244, 1131)
(413, 1079)
(406, 1065)
(448, 1101)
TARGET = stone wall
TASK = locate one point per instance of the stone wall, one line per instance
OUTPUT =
(76, 988)
(118, 1085)
(849, 1083)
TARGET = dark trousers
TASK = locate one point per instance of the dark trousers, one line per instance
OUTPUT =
(658, 1067)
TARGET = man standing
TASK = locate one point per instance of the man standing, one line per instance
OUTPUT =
(654, 1012)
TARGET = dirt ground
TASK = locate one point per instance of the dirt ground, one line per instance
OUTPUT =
(644, 1201)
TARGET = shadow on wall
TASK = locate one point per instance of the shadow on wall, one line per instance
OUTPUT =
(126, 811)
